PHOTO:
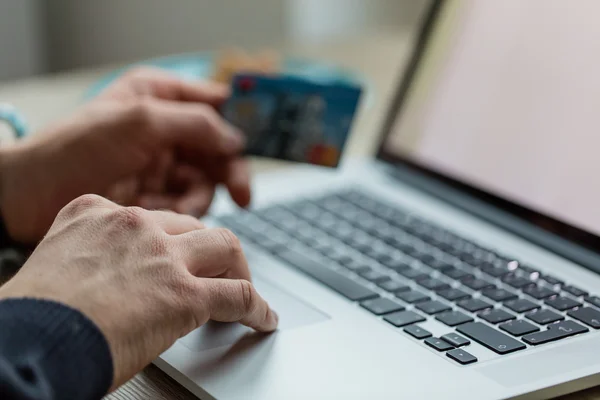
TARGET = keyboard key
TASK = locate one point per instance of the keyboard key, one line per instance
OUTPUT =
(453, 294)
(575, 291)
(593, 300)
(381, 306)
(393, 286)
(552, 280)
(413, 296)
(427, 258)
(554, 332)
(357, 266)
(544, 317)
(438, 344)
(433, 284)
(539, 292)
(474, 305)
(496, 272)
(472, 260)
(456, 340)
(490, 338)
(433, 307)
(498, 294)
(361, 242)
(417, 332)
(519, 327)
(454, 273)
(587, 315)
(414, 274)
(461, 356)
(521, 305)
(477, 284)
(453, 318)
(516, 281)
(397, 265)
(406, 249)
(375, 276)
(340, 256)
(272, 244)
(528, 270)
(496, 316)
(384, 257)
(314, 267)
(563, 303)
(437, 264)
(323, 247)
(403, 318)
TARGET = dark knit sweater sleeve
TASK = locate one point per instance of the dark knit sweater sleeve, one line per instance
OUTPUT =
(50, 351)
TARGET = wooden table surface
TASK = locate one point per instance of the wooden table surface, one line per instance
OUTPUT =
(378, 56)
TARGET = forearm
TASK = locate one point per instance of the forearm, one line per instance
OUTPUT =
(49, 351)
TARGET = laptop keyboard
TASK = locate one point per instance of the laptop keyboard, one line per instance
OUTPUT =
(406, 270)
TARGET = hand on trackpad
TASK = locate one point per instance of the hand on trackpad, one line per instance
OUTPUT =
(292, 312)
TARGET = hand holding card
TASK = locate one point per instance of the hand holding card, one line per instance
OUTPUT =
(293, 119)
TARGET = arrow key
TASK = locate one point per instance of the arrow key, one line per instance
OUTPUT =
(587, 315)
(554, 332)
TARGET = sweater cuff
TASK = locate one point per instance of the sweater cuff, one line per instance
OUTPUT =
(56, 348)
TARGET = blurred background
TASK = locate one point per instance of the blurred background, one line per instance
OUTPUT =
(41, 36)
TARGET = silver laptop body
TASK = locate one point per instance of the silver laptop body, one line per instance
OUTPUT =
(462, 221)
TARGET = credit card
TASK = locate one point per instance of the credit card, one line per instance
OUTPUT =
(291, 118)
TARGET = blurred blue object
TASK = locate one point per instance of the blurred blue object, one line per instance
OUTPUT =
(10, 115)
(200, 66)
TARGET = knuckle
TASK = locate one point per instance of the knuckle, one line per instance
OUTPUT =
(80, 205)
(159, 246)
(185, 293)
(248, 296)
(139, 113)
(229, 241)
(128, 218)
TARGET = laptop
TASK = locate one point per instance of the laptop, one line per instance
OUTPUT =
(462, 262)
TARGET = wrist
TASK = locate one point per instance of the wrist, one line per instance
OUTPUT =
(16, 197)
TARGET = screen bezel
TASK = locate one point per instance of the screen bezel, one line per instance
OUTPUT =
(546, 223)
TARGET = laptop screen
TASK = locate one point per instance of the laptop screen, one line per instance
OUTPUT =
(505, 98)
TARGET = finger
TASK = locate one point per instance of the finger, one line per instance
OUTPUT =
(213, 253)
(232, 300)
(197, 190)
(190, 192)
(234, 173)
(196, 201)
(155, 82)
(157, 201)
(194, 127)
(125, 192)
(183, 176)
(175, 224)
(156, 175)
(213, 93)
(237, 181)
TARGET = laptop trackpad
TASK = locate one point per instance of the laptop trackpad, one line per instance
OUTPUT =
(292, 312)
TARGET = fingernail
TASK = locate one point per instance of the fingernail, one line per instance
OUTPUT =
(234, 140)
(275, 317)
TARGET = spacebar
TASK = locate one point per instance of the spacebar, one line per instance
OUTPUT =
(336, 281)
(490, 338)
